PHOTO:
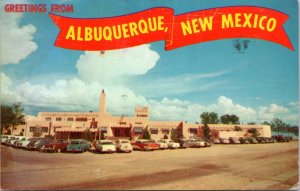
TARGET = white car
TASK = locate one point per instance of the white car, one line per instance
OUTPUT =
(195, 143)
(171, 144)
(25, 141)
(123, 145)
(162, 143)
(105, 146)
(4, 138)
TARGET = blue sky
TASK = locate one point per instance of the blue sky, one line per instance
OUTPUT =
(257, 84)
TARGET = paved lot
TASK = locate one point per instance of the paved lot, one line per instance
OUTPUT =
(263, 166)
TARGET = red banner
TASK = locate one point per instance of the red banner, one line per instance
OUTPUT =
(160, 24)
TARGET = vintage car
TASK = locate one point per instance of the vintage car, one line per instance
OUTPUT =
(207, 142)
(123, 145)
(31, 144)
(234, 140)
(171, 144)
(224, 141)
(192, 143)
(261, 140)
(182, 143)
(104, 146)
(24, 143)
(78, 145)
(37, 145)
(252, 140)
(243, 140)
(144, 145)
(4, 138)
(55, 146)
(162, 144)
(216, 141)
(13, 140)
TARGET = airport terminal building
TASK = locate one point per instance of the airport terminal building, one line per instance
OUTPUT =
(71, 125)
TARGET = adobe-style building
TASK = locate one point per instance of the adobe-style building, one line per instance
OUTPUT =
(70, 125)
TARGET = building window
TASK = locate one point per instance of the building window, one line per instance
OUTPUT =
(69, 119)
(44, 129)
(153, 130)
(138, 130)
(193, 130)
(165, 131)
(141, 115)
(58, 119)
(32, 129)
(81, 119)
(48, 118)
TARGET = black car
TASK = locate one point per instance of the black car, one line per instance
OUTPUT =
(261, 140)
(37, 144)
(252, 140)
(243, 140)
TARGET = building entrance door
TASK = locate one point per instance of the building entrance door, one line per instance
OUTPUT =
(121, 132)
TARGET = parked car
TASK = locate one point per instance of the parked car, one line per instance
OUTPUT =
(55, 146)
(162, 144)
(24, 144)
(39, 143)
(104, 146)
(224, 141)
(243, 140)
(207, 142)
(11, 142)
(31, 144)
(271, 140)
(123, 145)
(4, 138)
(145, 145)
(252, 140)
(216, 141)
(261, 140)
(234, 140)
(78, 145)
(181, 142)
(279, 138)
(171, 144)
(18, 142)
(192, 143)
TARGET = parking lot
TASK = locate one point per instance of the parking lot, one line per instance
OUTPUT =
(259, 166)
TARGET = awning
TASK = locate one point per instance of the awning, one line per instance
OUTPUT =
(121, 126)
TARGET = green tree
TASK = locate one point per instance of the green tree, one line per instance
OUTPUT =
(206, 131)
(237, 128)
(230, 119)
(209, 118)
(38, 131)
(146, 134)
(11, 116)
(265, 123)
(251, 123)
(174, 133)
(253, 132)
(278, 125)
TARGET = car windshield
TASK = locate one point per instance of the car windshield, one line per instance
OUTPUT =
(171, 141)
(75, 142)
(124, 141)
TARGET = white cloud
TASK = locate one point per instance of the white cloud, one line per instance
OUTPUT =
(294, 104)
(270, 112)
(116, 63)
(184, 83)
(16, 42)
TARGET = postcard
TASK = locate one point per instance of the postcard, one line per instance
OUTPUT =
(149, 95)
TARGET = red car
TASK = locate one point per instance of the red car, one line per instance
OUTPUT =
(144, 145)
(55, 146)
